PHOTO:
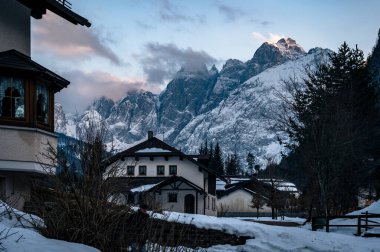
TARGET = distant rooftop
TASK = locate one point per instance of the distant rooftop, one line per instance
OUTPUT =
(60, 7)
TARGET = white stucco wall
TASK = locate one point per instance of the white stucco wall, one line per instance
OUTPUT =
(14, 26)
(21, 148)
(185, 168)
(179, 206)
(239, 201)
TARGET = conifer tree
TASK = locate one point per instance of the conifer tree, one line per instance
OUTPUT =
(333, 128)
(216, 163)
(232, 165)
(251, 162)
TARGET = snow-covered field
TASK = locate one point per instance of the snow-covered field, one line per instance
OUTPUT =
(286, 219)
(17, 234)
(276, 238)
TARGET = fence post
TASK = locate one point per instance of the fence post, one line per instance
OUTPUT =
(313, 227)
(327, 224)
(359, 226)
(366, 220)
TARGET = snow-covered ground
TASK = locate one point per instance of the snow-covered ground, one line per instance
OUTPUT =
(17, 234)
(286, 219)
(374, 208)
(275, 238)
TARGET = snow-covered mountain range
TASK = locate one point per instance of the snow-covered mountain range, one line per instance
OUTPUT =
(233, 106)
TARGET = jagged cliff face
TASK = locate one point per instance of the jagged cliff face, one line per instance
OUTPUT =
(131, 117)
(232, 106)
(269, 55)
(182, 99)
(60, 121)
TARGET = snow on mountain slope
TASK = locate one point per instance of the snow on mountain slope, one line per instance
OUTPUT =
(233, 106)
(242, 122)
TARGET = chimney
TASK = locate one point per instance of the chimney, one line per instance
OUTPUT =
(150, 134)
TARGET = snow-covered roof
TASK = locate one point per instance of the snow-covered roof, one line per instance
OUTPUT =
(152, 150)
(143, 188)
(281, 185)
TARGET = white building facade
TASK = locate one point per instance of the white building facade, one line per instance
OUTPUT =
(164, 176)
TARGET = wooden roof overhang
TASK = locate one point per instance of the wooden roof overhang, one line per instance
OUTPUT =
(59, 7)
(174, 179)
(16, 63)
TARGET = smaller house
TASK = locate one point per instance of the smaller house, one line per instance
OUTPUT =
(235, 196)
(161, 175)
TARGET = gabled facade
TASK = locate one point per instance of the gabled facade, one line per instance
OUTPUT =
(157, 173)
(235, 196)
(27, 92)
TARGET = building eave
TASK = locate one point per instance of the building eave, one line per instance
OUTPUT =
(39, 7)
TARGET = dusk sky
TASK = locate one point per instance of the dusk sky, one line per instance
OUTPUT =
(140, 44)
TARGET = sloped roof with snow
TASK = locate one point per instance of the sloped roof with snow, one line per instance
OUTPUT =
(154, 147)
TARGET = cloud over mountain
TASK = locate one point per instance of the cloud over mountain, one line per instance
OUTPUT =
(161, 61)
(72, 42)
(85, 87)
(270, 37)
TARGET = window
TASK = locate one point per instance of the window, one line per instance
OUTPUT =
(42, 104)
(172, 170)
(208, 202)
(130, 170)
(160, 170)
(142, 170)
(172, 197)
(213, 204)
(12, 93)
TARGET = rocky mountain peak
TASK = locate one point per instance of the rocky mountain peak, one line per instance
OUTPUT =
(192, 69)
(103, 105)
(213, 70)
(268, 55)
(290, 47)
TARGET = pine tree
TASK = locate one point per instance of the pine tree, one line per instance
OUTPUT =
(333, 126)
(251, 162)
(203, 150)
(232, 165)
(211, 151)
(216, 163)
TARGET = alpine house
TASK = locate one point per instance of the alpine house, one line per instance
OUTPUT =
(26, 97)
(156, 173)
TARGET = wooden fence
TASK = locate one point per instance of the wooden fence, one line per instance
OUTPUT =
(364, 221)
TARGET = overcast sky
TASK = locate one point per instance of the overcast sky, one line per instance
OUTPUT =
(140, 44)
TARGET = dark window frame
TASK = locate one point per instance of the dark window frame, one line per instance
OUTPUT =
(129, 168)
(30, 100)
(26, 91)
(172, 197)
(160, 170)
(142, 170)
(173, 170)
(47, 102)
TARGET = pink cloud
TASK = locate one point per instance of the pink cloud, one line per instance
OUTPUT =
(56, 35)
(85, 87)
